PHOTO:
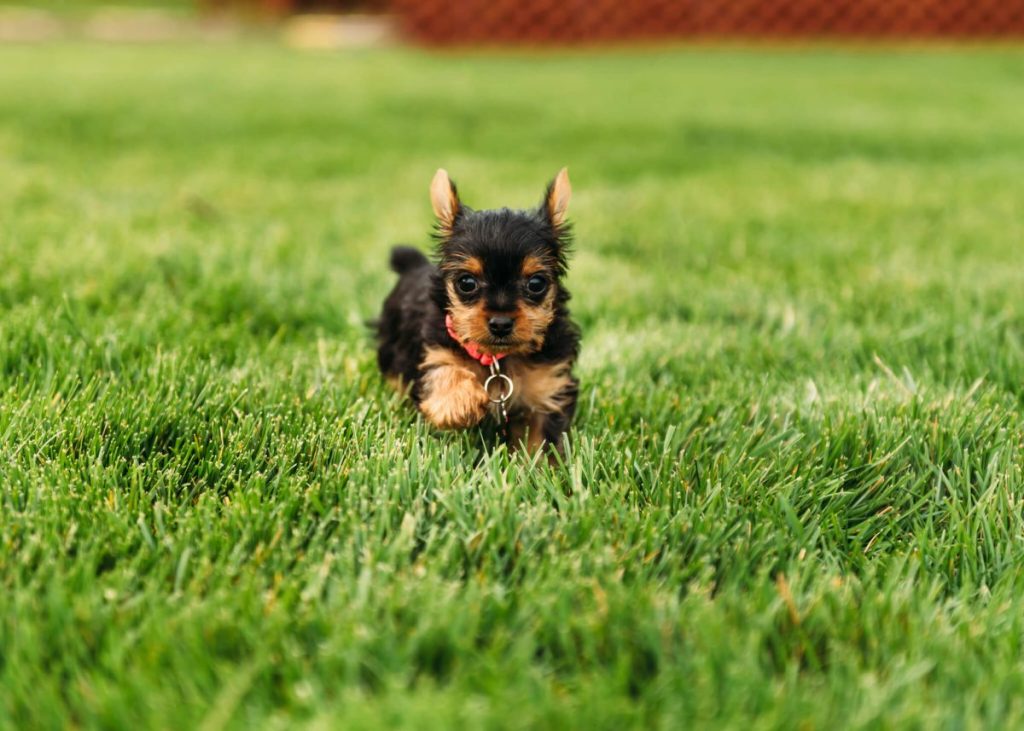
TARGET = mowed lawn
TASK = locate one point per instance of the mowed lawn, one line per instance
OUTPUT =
(794, 495)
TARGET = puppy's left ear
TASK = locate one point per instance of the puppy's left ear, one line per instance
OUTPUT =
(556, 202)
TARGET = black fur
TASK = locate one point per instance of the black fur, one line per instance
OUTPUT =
(405, 259)
(413, 316)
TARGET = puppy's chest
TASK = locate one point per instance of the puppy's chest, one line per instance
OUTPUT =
(537, 387)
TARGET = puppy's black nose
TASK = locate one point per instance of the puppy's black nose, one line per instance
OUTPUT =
(500, 326)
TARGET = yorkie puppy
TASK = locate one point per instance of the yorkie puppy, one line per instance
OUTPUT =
(486, 329)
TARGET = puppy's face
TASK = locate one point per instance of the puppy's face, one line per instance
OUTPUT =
(502, 269)
(503, 303)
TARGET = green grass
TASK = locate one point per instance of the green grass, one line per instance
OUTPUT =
(794, 497)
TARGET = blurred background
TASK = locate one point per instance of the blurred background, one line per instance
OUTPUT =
(534, 22)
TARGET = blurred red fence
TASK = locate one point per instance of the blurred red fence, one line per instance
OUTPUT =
(449, 22)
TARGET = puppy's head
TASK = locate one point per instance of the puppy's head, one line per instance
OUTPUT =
(501, 270)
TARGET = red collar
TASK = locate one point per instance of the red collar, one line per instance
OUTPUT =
(471, 348)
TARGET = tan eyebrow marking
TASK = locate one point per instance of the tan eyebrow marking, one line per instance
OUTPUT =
(470, 264)
(532, 265)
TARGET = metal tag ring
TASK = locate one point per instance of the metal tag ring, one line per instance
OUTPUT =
(507, 388)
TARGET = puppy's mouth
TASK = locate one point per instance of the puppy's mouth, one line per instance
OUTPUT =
(508, 345)
(503, 344)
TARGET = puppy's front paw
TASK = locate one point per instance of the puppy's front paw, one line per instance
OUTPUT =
(456, 400)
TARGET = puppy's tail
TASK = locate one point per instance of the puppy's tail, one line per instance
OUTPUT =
(405, 259)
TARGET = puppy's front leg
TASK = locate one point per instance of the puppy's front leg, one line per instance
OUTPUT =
(452, 395)
(527, 432)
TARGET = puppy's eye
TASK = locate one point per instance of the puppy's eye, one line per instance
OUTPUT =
(467, 284)
(536, 284)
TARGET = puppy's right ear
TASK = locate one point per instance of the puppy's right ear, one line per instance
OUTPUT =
(445, 200)
(556, 200)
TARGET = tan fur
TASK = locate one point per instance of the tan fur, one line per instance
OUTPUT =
(470, 265)
(558, 200)
(533, 320)
(444, 200)
(534, 264)
(474, 266)
(539, 387)
(453, 392)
